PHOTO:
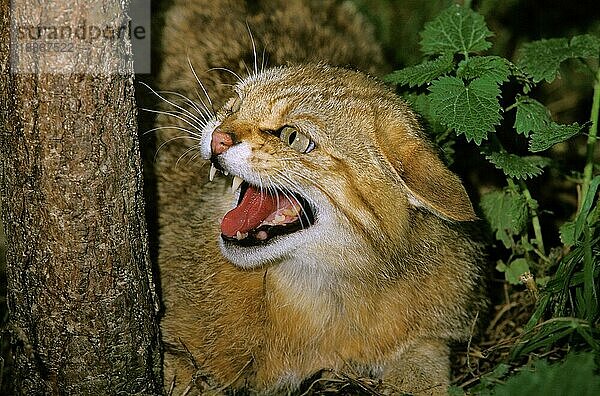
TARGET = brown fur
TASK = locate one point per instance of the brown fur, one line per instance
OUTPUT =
(386, 295)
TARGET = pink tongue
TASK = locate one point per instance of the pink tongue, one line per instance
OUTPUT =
(255, 207)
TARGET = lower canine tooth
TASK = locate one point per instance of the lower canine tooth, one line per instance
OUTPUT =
(212, 173)
(236, 183)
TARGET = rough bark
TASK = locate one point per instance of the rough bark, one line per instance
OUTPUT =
(80, 292)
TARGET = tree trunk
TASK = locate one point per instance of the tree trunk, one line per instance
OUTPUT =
(80, 292)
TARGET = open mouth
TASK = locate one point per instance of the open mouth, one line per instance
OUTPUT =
(261, 215)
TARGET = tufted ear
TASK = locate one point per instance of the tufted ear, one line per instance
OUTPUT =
(430, 183)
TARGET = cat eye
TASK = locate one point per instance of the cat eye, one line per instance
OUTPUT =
(296, 139)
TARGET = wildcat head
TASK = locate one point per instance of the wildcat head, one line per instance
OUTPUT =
(325, 156)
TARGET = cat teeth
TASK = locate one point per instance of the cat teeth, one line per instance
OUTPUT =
(212, 173)
(235, 184)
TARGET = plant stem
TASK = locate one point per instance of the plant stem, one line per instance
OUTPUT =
(535, 219)
(591, 141)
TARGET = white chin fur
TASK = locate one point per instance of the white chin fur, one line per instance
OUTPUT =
(277, 249)
(296, 245)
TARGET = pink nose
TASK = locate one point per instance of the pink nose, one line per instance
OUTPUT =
(221, 141)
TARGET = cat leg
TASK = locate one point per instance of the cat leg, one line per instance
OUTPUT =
(421, 369)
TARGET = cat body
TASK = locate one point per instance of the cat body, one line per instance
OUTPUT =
(343, 247)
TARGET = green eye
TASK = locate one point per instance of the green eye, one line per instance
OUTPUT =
(296, 140)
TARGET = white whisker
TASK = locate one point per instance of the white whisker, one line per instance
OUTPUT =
(202, 110)
(193, 135)
(179, 116)
(283, 183)
(167, 142)
(189, 150)
(201, 85)
(210, 111)
(253, 49)
(263, 62)
(187, 112)
(237, 76)
(248, 72)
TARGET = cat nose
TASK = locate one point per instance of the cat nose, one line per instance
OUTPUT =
(221, 141)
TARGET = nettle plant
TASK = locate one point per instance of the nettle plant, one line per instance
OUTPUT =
(458, 91)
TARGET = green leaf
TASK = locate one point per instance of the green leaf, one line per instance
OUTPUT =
(455, 30)
(506, 213)
(493, 67)
(575, 375)
(541, 59)
(553, 133)
(531, 116)
(422, 73)
(422, 105)
(518, 167)
(567, 233)
(495, 375)
(439, 133)
(454, 390)
(588, 201)
(514, 271)
(585, 46)
(472, 109)
(501, 267)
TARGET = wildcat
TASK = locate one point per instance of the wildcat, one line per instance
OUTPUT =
(340, 244)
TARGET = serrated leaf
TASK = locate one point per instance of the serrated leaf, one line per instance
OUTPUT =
(507, 214)
(455, 30)
(550, 135)
(567, 233)
(541, 59)
(531, 116)
(420, 102)
(488, 379)
(447, 148)
(574, 375)
(585, 46)
(514, 271)
(422, 105)
(422, 73)
(518, 167)
(494, 376)
(494, 67)
(472, 109)
(454, 390)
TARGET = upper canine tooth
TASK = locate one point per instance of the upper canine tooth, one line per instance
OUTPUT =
(212, 173)
(236, 183)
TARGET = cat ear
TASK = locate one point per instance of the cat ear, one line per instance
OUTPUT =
(427, 179)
